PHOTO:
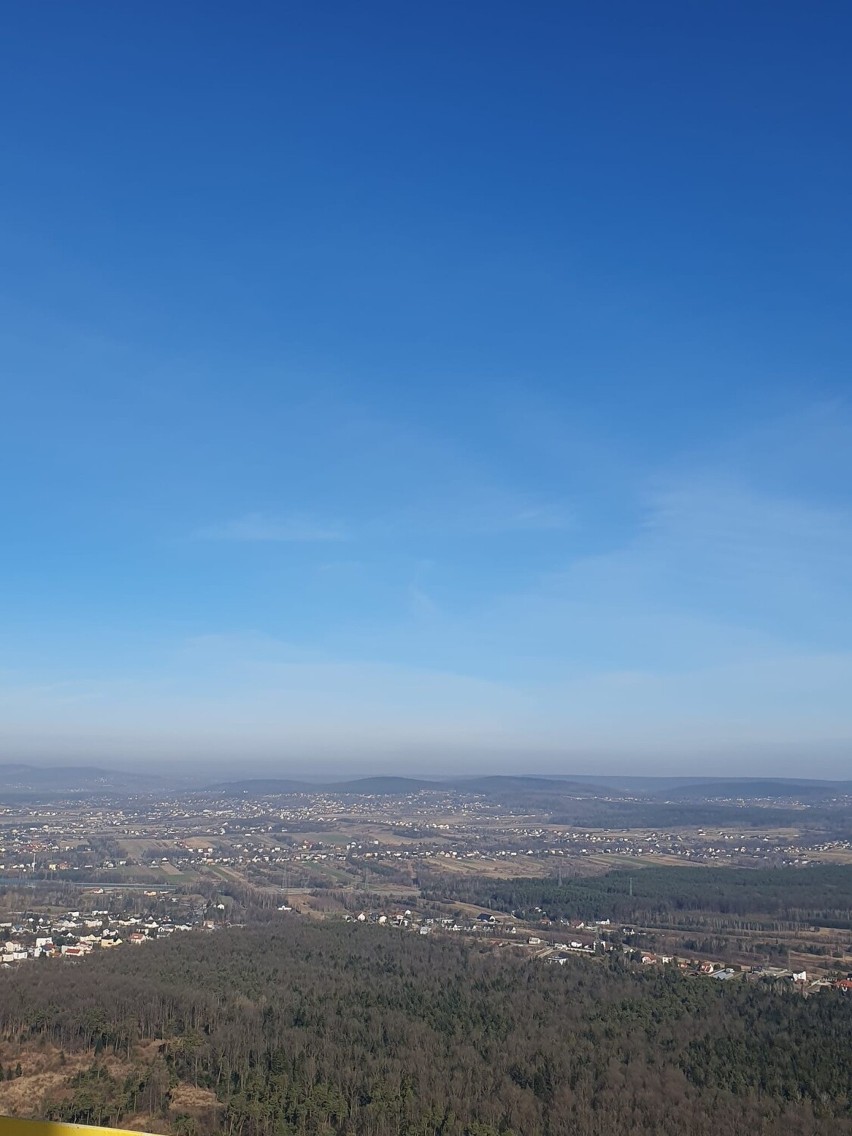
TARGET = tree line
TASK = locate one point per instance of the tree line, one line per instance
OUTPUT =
(818, 894)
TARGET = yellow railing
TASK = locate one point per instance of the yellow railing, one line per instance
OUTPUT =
(11, 1126)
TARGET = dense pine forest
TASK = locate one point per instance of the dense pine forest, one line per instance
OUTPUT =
(821, 893)
(341, 1028)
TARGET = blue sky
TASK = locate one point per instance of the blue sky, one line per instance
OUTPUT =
(430, 387)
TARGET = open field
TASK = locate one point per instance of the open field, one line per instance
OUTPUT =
(523, 866)
(835, 856)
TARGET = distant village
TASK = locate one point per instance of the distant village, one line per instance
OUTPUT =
(594, 942)
(319, 835)
(136, 868)
(75, 934)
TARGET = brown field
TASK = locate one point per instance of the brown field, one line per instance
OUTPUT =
(136, 848)
(832, 856)
(522, 867)
(603, 862)
(201, 842)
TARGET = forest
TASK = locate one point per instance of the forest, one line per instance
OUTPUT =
(819, 816)
(819, 894)
(336, 1028)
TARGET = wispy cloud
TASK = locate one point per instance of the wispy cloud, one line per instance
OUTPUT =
(539, 518)
(490, 511)
(262, 527)
(479, 511)
(421, 604)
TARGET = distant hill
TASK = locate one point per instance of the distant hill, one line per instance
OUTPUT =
(399, 786)
(381, 785)
(706, 787)
(22, 779)
(261, 786)
(757, 788)
(505, 785)
(19, 779)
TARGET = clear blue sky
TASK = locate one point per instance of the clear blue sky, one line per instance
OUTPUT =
(427, 387)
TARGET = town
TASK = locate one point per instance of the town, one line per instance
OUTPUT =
(82, 871)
